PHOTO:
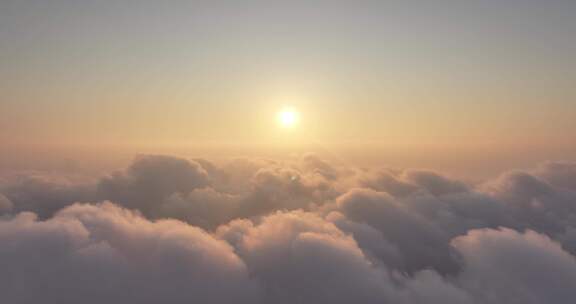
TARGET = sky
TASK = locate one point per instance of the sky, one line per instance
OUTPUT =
(325, 152)
(398, 77)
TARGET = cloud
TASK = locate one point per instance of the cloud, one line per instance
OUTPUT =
(151, 179)
(560, 174)
(195, 191)
(45, 194)
(433, 182)
(506, 266)
(304, 230)
(386, 181)
(371, 240)
(409, 181)
(533, 202)
(5, 204)
(205, 207)
(105, 254)
(421, 243)
(313, 163)
(300, 257)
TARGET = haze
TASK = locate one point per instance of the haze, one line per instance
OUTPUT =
(406, 83)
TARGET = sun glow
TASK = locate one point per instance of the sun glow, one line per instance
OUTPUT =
(288, 118)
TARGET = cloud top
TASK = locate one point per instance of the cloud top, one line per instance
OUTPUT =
(172, 230)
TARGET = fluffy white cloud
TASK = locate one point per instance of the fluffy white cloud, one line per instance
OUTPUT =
(295, 231)
(422, 244)
(150, 179)
(105, 254)
(300, 257)
(505, 266)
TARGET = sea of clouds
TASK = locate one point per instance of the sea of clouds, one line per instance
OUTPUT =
(173, 230)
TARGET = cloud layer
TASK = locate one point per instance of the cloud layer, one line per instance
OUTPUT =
(172, 230)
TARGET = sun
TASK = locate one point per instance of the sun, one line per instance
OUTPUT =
(288, 118)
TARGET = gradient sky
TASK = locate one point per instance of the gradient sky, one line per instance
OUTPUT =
(471, 76)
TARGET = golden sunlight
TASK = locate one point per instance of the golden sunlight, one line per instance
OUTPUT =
(288, 118)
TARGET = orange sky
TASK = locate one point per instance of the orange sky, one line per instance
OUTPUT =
(388, 84)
